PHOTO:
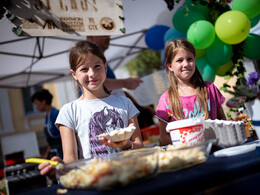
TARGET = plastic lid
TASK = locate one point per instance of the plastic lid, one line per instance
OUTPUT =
(184, 123)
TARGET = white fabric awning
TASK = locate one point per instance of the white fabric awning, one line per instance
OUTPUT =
(28, 61)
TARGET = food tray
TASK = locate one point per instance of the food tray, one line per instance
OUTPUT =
(108, 172)
(228, 133)
(119, 135)
(174, 158)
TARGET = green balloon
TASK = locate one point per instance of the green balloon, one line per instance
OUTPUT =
(252, 47)
(254, 21)
(223, 69)
(196, 5)
(201, 34)
(219, 53)
(201, 63)
(182, 19)
(249, 7)
(232, 27)
(209, 73)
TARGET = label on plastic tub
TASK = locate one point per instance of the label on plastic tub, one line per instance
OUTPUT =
(187, 131)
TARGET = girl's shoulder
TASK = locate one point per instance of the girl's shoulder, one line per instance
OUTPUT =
(119, 98)
(70, 104)
(208, 83)
(165, 94)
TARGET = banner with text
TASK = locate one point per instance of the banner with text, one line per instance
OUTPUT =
(67, 17)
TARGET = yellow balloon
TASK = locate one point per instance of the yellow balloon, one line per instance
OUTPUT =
(200, 53)
(232, 27)
(223, 69)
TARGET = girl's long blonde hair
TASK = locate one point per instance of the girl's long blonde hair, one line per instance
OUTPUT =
(196, 80)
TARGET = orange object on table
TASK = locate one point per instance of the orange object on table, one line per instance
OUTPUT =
(150, 131)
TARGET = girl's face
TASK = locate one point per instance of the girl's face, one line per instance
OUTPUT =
(183, 65)
(90, 73)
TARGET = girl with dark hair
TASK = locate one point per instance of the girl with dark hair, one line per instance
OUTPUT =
(94, 112)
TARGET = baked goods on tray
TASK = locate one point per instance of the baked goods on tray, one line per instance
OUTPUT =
(110, 171)
(119, 135)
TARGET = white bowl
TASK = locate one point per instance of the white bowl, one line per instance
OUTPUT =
(119, 135)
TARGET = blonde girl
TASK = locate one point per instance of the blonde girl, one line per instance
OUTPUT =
(188, 95)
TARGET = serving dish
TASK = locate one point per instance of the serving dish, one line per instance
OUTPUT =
(107, 172)
(227, 133)
(173, 158)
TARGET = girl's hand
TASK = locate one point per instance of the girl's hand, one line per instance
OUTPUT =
(49, 170)
(121, 144)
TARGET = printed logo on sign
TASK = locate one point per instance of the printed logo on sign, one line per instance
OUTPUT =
(107, 24)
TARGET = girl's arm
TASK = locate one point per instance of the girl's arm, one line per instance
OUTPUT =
(136, 138)
(165, 138)
(69, 144)
(70, 152)
(221, 114)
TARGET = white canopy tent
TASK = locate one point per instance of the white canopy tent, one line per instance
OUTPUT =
(28, 61)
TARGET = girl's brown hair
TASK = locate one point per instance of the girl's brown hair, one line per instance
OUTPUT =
(80, 51)
(196, 80)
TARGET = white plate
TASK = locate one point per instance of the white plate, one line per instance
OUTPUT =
(119, 135)
(235, 150)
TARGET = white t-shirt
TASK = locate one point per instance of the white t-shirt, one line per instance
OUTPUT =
(89, 118)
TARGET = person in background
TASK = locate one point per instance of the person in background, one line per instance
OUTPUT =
(93, 113)
(188, 95)
(145, 118)
(43, 102)
(112, 83)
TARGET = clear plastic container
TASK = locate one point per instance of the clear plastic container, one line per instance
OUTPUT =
(110, 171)
(174, 158)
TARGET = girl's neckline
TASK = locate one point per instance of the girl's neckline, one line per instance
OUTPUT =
(93, 99)
(188, 95)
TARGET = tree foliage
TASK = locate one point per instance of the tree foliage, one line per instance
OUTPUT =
(147, 62)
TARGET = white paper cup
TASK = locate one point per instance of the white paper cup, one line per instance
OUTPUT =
(186, 131)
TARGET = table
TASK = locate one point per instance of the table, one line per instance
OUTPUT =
(219, 175)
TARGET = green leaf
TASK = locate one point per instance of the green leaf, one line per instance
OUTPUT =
(236, 102)
(121, 18)
(122, 30)
(10, 16)
(226, 85)
(17, 30)
(120, 6)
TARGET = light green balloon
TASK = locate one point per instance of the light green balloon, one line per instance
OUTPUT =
(232, 27)
(182, 19)
(249, 7)
(201, 34)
